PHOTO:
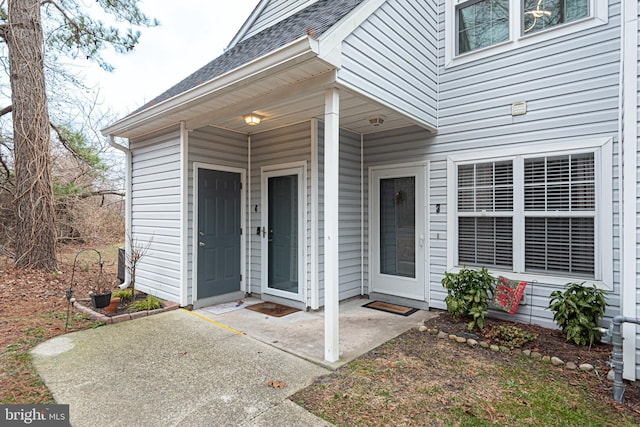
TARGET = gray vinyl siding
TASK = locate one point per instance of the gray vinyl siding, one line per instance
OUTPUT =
(155, 210)
(274, 12)
(276, 147)
(571, 87)
(392, 57)
(350, 248)
(216, 147)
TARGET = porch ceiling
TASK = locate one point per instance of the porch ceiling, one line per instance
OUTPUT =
(289, 93)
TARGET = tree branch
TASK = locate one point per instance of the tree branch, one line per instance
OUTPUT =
(100, 193)
(65, 143)
(7, 109)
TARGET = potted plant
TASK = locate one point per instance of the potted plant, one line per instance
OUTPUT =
(100, 296)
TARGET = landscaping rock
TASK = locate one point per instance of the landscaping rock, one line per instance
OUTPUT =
(535, 355)
(526, 353)
(494, 348)
(504, 349)
(546, 359)
(483, 344)
(571, 366)
(461, 340)
(586, 367)
(452, 337)
(555, 361)
(442, 335)
(611, 375)
(422, 328)
(472, 343)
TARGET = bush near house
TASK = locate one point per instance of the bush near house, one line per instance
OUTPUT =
(468, 294)
(578, 310)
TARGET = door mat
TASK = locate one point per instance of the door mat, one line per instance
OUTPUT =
(229, 306)
(391, 308)
(272, 309)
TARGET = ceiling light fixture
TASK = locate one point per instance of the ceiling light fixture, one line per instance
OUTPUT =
(252, 119)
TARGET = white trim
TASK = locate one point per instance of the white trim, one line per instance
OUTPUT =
(248, 23)
(330, 42)
(315, 207)
(420, 171)
(285, 57)
(184, 214)
(362, 258)
(292, 168)
(603, 152)
(331, 224)
(629, 182)
(599, 15)
(243, 247)
(249, 233)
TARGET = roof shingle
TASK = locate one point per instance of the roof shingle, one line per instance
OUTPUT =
(312, 21)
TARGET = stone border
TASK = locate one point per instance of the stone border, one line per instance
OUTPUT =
(470, 342)
(99, 317)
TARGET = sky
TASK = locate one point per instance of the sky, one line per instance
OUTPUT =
(191, 33)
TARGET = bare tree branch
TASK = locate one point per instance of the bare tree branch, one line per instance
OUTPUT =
(6, 110)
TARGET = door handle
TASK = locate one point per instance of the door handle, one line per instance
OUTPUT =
(421, 240)
(201, 244)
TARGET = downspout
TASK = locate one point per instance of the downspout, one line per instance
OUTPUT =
(127, 203)
(614, 336)
(627, 158)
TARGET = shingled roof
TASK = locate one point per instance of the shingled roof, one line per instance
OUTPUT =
(312, 21)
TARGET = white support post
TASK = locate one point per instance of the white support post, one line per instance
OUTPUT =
(331, 190)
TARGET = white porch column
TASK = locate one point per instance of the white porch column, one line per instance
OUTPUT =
(331, 189)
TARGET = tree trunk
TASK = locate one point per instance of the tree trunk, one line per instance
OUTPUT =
(35, 240)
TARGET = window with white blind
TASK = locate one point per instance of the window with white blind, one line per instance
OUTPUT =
(531, 214)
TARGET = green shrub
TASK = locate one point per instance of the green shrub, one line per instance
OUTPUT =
(578, 310)
(124, 295)
(509, 335)
(149, 303)
(468, 294)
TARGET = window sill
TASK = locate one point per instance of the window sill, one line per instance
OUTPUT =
(452, 60)
(540, 278)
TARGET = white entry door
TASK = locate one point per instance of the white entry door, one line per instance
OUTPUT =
(398, 225)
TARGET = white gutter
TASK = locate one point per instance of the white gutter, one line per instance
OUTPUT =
(291, 54)
(127, 204)
(627, 151)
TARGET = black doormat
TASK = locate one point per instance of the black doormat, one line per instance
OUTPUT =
(391, 308)
(272, 309)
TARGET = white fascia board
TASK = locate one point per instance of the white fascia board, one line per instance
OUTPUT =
(248, 23)
(382, 103)
(300, 49)
(330, 43)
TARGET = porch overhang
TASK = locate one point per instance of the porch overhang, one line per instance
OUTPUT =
(286, 86)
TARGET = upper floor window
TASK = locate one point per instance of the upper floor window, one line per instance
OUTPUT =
(542, 14)
(482, 23)
(478, 28)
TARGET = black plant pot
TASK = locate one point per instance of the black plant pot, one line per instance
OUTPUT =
(101, 300)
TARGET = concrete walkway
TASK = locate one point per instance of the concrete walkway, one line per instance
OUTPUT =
(198, 368)
(173, 369)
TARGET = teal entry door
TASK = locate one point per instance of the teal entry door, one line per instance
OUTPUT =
(282, 237)
(219, 233)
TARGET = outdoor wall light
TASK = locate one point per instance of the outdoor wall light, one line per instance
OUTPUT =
(252, 119)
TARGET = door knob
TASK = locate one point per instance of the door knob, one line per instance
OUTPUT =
(201, 244)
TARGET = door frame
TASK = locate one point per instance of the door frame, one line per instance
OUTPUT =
(422, 197)
(197, 166)
(266, 172)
